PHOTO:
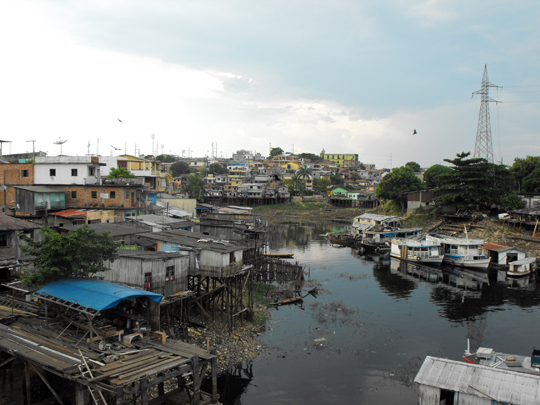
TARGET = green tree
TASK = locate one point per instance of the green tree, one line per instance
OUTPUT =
(195, 187)
(321, 185)
(395, 184)
(513, 202)
(413, 165)
(304, 172)
(179, 168)
(275, 152)
(311, 156)
(217, 168)
(531, 183)
(121, 172)
(522, 169)
(474, 183)
(166, 158)
(336, 180)
(78, 254)
(433, 174)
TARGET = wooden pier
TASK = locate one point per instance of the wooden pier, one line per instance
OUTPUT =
(115, 372)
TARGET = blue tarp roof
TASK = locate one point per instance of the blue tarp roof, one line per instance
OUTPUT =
(94, 293)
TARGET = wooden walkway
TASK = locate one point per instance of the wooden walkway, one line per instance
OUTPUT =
(115, 372)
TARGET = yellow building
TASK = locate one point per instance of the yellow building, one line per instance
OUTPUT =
(340, 159)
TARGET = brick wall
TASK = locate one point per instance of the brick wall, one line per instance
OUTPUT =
(11, 175)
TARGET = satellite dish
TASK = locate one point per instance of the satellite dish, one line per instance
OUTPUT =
(60, 142)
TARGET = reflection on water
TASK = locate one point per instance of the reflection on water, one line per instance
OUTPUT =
(364, 337)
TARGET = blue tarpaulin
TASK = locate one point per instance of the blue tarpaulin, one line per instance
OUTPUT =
(94, 293)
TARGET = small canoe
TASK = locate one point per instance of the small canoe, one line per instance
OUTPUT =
(292, 300)
(280, 255)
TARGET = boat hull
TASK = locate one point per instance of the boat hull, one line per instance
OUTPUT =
(419, 260)
(462, 262)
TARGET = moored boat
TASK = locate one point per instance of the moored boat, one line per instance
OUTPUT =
(374, 232)
(344, 239)
(462, 252)
(521, 268)
(280, 255)
(417, 250)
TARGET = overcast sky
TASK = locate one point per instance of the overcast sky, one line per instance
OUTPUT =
(343, 76)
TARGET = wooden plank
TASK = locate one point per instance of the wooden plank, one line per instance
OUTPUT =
(135, 365)
(128, 360)
(125, 378)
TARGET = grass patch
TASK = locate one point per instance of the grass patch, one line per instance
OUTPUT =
(260, 294)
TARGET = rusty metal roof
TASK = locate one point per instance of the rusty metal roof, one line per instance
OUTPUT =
(500, 248)
(8, 223)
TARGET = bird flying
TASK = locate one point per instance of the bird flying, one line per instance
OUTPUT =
(119, 119)
(414, 132)
(114, 147)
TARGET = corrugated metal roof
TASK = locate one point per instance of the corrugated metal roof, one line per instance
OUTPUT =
(481, 381)
(194, 240)
(70, 213)
(379, 218)
(94, 293)
(8, 223)
(500, 248)
(148, 255)
(114, 228)
(40, 189)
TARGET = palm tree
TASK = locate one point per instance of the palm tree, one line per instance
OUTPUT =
(196, 188)
(304, 172)
(301, 175)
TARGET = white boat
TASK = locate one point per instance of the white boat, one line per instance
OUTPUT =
(462, 252)
(521, 268)
(420, 251)
(375, 232)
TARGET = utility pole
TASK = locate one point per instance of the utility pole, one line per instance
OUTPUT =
(484, 146)
(33, 149)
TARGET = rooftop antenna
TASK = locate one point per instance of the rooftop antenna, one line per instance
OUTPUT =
(2, 142)
(153, 137)
(60, 142)
(88, 148)
(33, 149)
(484, 146)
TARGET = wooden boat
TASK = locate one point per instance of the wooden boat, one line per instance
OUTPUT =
(419, 251)
(292, 300)
(344, 239)
(521, 268)
(280, 255)
(462, 252)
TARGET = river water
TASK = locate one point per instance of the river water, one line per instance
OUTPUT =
(363, 339)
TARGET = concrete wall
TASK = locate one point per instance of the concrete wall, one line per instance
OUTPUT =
(186, 204)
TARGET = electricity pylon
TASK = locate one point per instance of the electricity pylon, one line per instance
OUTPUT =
(484, 146)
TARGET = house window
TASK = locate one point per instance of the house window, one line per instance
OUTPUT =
(169, 271)
(232, 258)
(112, 195)
(73, 194)
(147, 281)
(94, 194)
(74, 172)
(52, 172)
(91, 171)
(127, 194)
(25, 173)
(4, 240)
